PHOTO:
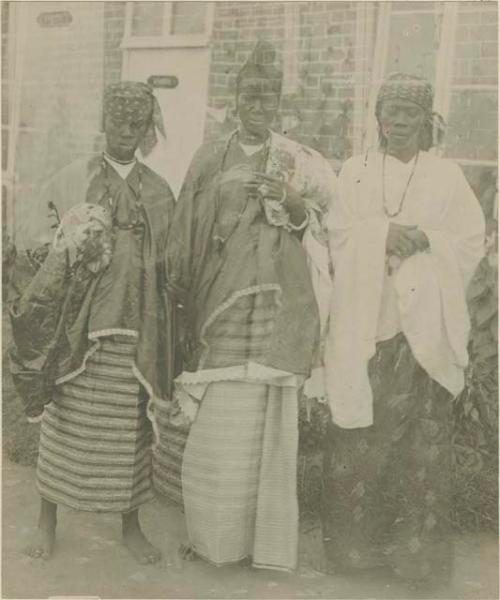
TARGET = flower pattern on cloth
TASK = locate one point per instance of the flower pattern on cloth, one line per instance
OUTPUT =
(312, 177)
(388, 487)
(85, 233)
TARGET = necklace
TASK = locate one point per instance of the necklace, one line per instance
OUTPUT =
(120, 162)
(135, 221)
(217, 237)
(401, 202)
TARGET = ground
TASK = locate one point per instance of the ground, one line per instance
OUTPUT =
(90, 561)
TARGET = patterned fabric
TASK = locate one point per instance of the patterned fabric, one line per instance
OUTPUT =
(84, 233)
(221, 248)
(242, 331)
(168, 453)
(239, 475)
(95, 439)
(387, 489)
(402, 86)
(75, 306)
(135, 101)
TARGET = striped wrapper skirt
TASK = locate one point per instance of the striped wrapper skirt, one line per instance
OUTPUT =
(95, 439)
(239, 475)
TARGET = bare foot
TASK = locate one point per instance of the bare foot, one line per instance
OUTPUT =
(141, 549)
(42, 545)
(186, 552)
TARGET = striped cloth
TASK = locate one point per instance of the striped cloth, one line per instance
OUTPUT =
(239, 475)
(241, 331)
(95, 439)
(167, 455)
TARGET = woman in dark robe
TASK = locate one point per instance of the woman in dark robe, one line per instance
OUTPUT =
(239, 267)
(91, 331)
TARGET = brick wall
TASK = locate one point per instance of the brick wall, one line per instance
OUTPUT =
(326, 107)
(327, 50)
(315, 39)
(114, 26)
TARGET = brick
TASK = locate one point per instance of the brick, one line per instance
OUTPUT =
(463, 33)
(489, 16)
(483, 32)
(469, 17)
(489, 49)
(469, 50)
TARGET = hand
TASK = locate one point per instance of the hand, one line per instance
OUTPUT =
(401, 240)
(269, 187)
(419, 239)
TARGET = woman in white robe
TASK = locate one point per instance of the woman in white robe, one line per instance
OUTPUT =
(406, 234)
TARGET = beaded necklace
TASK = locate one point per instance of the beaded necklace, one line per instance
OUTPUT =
(401, 203)
(217, 237)
(135, 221)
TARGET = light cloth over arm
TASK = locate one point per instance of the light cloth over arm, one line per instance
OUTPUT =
(357, 246)
(429, 286)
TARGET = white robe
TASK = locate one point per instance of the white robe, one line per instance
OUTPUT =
(424, 297)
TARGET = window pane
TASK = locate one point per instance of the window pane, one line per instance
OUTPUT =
(5, 148)
(188, 17)
(472, 125)
(476, 55)
(5, 103)
(413, 6)
(147, 18)
(413, 44)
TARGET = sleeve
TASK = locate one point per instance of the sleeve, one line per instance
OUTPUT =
(461, 234)
(354, 237)
(318, 182)
(456, 246)
(357, 246)
(180, 242)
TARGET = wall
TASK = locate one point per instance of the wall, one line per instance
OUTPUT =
(58, 69)
(323, 59)
(333, 49)
(330, 53)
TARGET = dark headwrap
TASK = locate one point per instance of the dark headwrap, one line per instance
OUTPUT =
(403, 86)
(262, 64)
(133, 100)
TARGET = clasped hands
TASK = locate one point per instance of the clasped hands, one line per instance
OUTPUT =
(405, 240)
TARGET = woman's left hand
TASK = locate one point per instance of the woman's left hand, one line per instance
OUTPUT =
(270, 188)
(266, 186)
(274, 188)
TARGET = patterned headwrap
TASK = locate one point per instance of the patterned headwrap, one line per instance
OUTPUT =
(133, 100)
(403, 86)
(262, 64)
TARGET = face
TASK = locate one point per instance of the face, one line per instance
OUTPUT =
(401, 122)
(257, 104)
(124, 135)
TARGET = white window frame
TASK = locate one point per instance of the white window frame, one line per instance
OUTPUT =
(15, 58)
(443, 83)
(167, 39)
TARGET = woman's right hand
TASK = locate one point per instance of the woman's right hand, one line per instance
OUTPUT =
(400, 240)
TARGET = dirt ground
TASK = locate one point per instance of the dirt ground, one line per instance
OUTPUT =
(90, 561)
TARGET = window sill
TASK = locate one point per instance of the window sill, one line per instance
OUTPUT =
(172, 41)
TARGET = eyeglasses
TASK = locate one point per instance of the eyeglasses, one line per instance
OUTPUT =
(267, 101)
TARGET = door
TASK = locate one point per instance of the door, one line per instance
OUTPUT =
(166, 43)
